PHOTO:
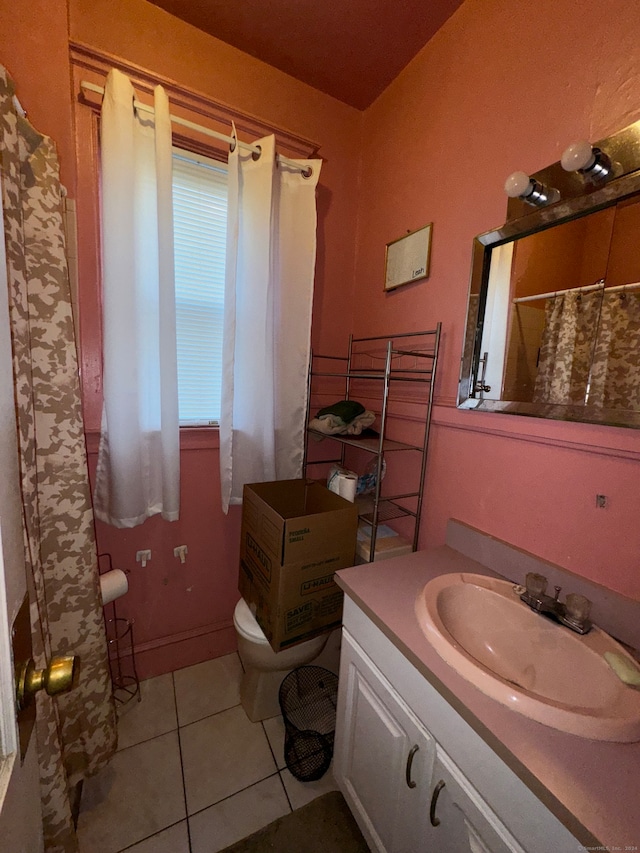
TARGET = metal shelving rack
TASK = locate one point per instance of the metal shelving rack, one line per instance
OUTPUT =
(389, 361)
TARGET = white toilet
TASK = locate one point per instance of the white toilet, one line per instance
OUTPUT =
(265, 669)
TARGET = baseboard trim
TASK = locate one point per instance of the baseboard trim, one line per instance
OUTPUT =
(167, 654)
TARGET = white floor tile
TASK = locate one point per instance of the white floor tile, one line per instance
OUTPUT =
(239, 816)
(154, 715)
(136, 795)
(221, 755)
(301, 793)
(172, 840)
(274, 727)
(206, 688)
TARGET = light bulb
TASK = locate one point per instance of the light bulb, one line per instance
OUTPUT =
(517, 184)
(578, 156)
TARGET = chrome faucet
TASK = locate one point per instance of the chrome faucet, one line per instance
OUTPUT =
(573, 612)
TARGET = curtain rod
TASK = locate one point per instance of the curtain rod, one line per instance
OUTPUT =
(306, 171)
(599, 285)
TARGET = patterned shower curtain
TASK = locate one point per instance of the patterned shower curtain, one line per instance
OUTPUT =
(615, 373)
(566, 352)
(75, 731)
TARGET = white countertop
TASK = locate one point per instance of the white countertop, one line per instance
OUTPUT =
(593, 787)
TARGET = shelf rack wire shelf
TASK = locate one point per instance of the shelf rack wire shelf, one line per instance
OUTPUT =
(408, 358)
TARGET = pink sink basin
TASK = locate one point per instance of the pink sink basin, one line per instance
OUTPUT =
(540, 669)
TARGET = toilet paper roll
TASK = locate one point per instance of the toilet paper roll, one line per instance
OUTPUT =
(113, 584)
(343, 483)
(347, 486)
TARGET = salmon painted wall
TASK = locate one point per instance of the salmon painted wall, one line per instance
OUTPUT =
(503, 86)
(478, 102)
(36, 57)
(183, 612)
(148, 37)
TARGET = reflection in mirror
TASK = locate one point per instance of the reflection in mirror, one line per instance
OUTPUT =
(553, 322)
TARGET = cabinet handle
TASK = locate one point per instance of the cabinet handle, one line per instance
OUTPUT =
(412, 752)
(435, 821)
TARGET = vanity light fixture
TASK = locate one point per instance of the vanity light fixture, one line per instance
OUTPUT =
(591, 162)
(520, 185)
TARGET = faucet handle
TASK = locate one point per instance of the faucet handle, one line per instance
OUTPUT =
(536, 584)
(557, 591)
(578, 607)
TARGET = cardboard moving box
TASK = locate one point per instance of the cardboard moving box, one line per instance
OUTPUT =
(295, 535)
(388, 544)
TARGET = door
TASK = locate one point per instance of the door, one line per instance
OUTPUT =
(20, 821)
(493, 347)
(384, 757)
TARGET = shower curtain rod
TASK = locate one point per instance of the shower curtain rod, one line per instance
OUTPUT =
(306, 171)
(599, 285)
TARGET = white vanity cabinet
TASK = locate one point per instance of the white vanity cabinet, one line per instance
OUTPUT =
(406, 793)
(385, 757)
(397, 739)
(462, 821)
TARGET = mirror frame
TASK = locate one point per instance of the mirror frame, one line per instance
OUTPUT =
(578, 197)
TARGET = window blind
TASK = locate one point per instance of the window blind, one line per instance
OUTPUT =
(200, 234)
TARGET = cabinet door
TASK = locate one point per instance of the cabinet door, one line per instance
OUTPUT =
(384, 757)
(461, 822)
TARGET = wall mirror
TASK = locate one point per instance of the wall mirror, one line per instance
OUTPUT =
(553, 318)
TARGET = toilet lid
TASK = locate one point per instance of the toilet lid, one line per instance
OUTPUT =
(246, 623)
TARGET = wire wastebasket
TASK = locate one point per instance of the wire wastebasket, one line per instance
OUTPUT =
(308, 697)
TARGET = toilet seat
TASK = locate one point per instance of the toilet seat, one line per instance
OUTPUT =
(246, 624)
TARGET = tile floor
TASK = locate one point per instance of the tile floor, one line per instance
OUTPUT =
(192, 774)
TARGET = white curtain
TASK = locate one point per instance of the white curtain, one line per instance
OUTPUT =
(271, 252)
(138, 464)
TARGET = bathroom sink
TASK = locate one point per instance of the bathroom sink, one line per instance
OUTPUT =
(518, 657)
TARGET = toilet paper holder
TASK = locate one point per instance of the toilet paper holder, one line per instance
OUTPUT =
(122, 662)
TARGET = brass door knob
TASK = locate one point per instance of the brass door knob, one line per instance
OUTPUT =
(56, 678)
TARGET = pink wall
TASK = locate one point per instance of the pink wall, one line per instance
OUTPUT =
(479, 101)
(183, 613)
(150, 38)
(501, 87)
(36, 57)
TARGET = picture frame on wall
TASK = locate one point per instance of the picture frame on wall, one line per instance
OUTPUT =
(407, 259)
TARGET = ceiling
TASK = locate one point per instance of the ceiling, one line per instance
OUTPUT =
(351, 49)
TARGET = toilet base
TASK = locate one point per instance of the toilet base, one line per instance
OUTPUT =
(259, 689)
(259, 694)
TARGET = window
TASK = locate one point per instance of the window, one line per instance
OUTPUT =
(200, 234)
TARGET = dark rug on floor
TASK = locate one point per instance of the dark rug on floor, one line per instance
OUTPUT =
(325, 825)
